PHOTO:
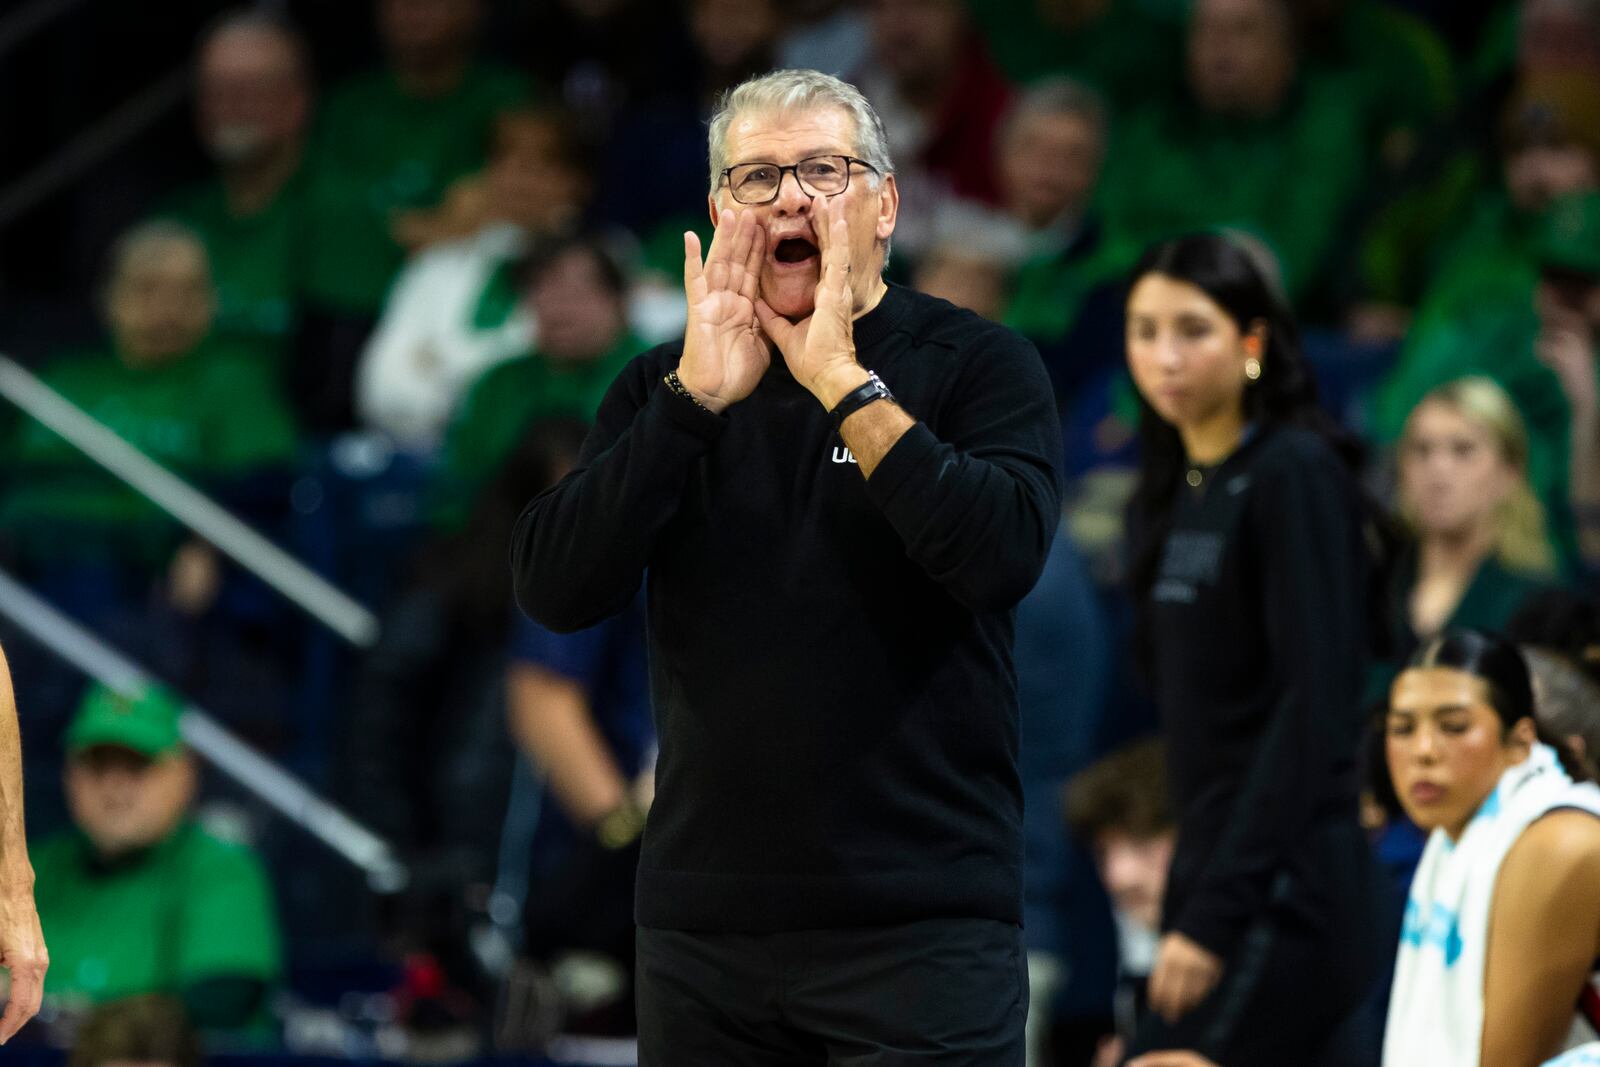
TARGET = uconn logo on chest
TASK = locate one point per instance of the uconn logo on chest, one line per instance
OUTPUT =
(1193, 558)
(841, 454)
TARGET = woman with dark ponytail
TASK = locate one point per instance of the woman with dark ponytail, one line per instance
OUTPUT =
(1252, 570)
(1502, 921)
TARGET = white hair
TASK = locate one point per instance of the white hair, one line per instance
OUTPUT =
(1058, 95)
(799, 90)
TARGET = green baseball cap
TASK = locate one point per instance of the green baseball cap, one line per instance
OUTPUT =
(1570, 236)
(146, 723)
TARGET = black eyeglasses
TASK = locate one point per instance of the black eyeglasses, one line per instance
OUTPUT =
(758, 183)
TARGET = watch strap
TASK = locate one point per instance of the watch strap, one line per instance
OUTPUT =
(859, 397)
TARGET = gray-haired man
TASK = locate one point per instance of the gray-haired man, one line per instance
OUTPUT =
(839, 490)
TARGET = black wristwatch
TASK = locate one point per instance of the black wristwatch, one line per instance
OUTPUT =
(859, 397)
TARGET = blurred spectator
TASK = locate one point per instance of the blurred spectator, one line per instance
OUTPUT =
(971, 259)
(1126, 49)
(1064, 298)
(210, 414)
(1502, 920)
(1255, 144)
(1568, 343)
(1539, 350)
(1567, 701)
(1389, 58)
(577, 293)
(456, 308)
(579, 710)
(832, 36)
(253, 103)
(427, 764)
(1550, 145)
(1118, 808)
(602, 57)
(653, 177)
(1557, 37)
(136, 898)
(1565, 621)
(389, 145)
(941, 99)
(1062, 702)
(1480, 543)
(149, 1030)
(1248, 521)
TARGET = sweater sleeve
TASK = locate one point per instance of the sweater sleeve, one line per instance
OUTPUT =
(976, 505)
(579, 550)
(1310, 586)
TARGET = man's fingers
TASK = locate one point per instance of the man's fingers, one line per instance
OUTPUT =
(835, 249)
(13, 1020)
(752, 265)
(693, 271)
(776, 326)
(27, 993)
(744, 236)
(726, 233)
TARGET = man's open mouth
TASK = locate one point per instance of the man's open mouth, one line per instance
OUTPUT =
(794, 250)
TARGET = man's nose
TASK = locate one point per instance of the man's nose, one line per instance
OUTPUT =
(791, 199)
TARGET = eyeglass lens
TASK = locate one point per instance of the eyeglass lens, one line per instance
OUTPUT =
(757, 183)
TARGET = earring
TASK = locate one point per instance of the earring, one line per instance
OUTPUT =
(1252, 368)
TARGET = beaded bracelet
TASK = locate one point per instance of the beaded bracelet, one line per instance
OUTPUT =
(676, 385)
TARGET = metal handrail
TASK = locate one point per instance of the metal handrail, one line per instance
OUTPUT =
(314, 594)
(209, 739)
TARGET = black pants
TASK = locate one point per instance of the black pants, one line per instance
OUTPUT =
(944, 991)
(1292, 990)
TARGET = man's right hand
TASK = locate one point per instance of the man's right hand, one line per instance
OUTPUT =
(724, 352)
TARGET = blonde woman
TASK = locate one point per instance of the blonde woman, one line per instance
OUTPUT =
(1480, 543)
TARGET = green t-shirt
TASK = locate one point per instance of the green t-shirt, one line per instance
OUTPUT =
(1492, 262)
(255, 261)
(1049, 289)
(661, 249)
(210, 416)
(1132, 54)
(190, 909)
(1394, 61)
(501, 405)
(1287, 179)
(379, 151)
(1400, 244)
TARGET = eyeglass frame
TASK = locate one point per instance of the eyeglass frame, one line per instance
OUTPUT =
(794, 169)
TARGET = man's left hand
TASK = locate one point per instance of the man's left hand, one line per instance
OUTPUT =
(22, 953)
(1184, 973)
(820, 349)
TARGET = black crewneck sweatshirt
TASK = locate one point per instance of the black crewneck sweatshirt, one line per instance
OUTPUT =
(830, 657)
(1257, 625)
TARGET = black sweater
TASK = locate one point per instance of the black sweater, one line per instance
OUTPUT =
(1257, 627)
(830, 657)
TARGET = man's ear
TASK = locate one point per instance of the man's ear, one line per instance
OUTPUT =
(888, 207)
(711, 206)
